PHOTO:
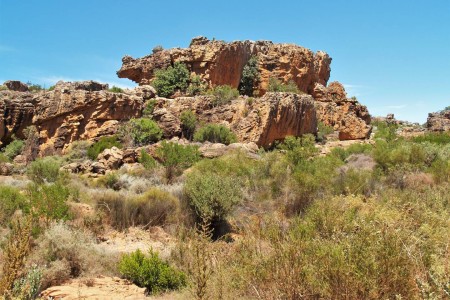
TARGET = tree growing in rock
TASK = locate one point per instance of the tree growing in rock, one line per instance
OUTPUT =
(250, 77)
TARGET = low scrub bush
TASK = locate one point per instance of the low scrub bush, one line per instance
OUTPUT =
(172, 79)
(115, 89)
(223, 94)
(44, 170)
(176, 158)
(154, 207)
(13, 149)
(11, 199)
(149, 108)
(215, 133)
(151, 272)
(78, 151)
(188, 123)
(147, 160)
(103, 143)
(196, 86)
(144, 131)
(298, 149)
(441, 138)
(276, 85)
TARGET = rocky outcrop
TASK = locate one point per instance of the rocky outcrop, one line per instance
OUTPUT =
(221, 63)
(15, 85)
(439, 121)
(346, 115)
(261, 120)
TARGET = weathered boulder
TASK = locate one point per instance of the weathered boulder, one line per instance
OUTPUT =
(439, 121)
(15, 85)
(6, 169)
(346, 115)
(221, 63)
(112, 158)
(212, 150)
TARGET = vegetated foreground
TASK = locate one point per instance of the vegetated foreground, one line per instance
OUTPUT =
(219, 191)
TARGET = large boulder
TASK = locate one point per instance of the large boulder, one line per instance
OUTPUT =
(439, 121)
(221, 63)
(15, 85)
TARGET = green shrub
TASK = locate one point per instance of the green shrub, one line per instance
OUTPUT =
(144, 131)
(147, 160)
(51, 88)
(13, 149)
(106, 142)
(157, 48)
(211, 196)
(196, 86)
(250, 77)
(151, 272)
(44, 170)
(175, 157)
(386, 131)
(34, 87)
(322, 131)
(11, 199)
(440, 138)
(188, 123)
(174, 78)
(4, 158)
(115, 89)
(110, 181)
(149, 108)
(49, 201)
(28, 286)
(215, 133)
(223, 94)
(298, 148)
(276, 85)
(78, 151)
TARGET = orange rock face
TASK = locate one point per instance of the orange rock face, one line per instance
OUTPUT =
(220, 63)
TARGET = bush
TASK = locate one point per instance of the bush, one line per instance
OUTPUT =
(106, 142)
(215, 133)
(174, 78)
(28, 286)
(175, 157)
(115, 89)
(157, 48)
(78, 150)
(322, 131)
(151, 272)
(44, 170)
(147, 160)
(144, 131)
(196, 86)
(188, 123)
(386, 131)
(223, 94)
(13, 149)
(276, 85)
(149, 108)
(153, 208)
(211, 196)
(440, 138)
(49, 201)
(298, 149)
(11, 199)
(249, 78)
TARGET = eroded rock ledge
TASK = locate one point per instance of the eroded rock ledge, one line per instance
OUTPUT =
(221, 63)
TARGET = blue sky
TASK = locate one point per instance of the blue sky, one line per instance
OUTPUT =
(393, 55)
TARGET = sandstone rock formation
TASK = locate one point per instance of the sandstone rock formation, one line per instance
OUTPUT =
(15, 85)
(346, 115)
(221, 63)
(262, 120)
(439, 121)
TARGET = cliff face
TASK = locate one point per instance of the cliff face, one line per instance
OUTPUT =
(262, 121)
(220, 63)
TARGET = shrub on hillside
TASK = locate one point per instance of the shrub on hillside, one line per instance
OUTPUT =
(215, 133)
(250, 77)
(11, 199)
(115, 89)
(77, 151)
(276, 85)
(13, 149)
(106, 142)
(44, 170)
(168, 81)
(149, 108)
(223, 94)
(298, 148)
(147, 160)
(144, 131)
(188, 123)
(211, 196)
(441, 138)
(151, 272)
(196, 86)
(175, 157)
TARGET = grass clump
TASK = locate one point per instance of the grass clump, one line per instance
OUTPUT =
(13, 149)
(151, 272)
(276, 85)
(188, 124)
(223, 94)
(147, 160)
(215, 133)
(106, 142)
(44, 170)
(174, 78)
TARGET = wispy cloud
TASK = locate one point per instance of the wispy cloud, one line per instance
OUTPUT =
(354, 89)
